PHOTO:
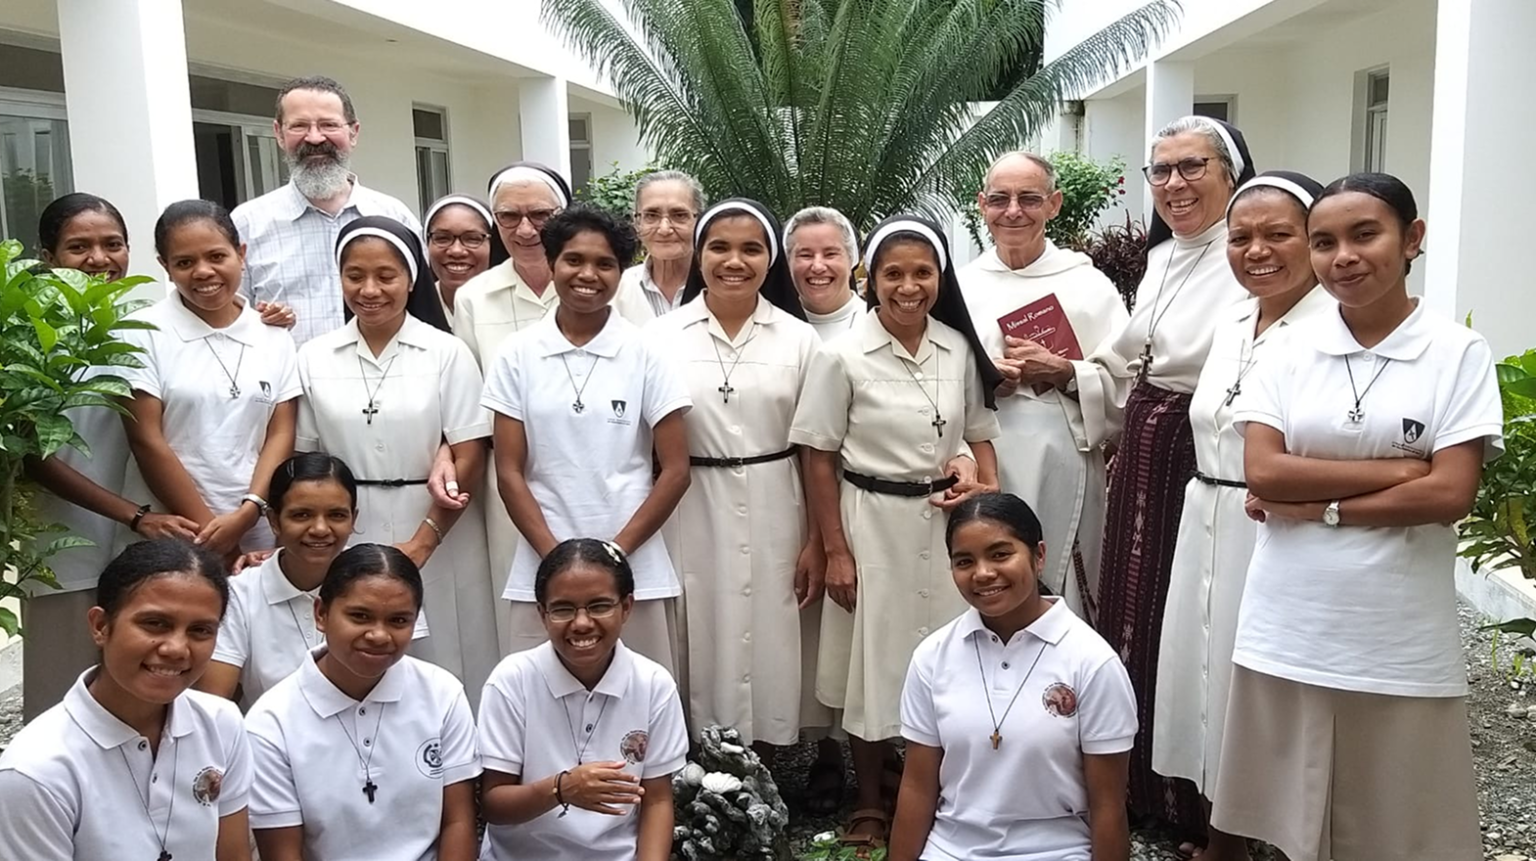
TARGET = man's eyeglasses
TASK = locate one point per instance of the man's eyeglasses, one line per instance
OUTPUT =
(651, 219)
(1192, 168)
(443, 240)
(1028, 201)
(595, 610)
(511, 219)
(326, 127)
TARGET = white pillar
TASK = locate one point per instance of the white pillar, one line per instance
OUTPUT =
(1478, 218)
(130, 110)
(544, 115)
(1170, 95)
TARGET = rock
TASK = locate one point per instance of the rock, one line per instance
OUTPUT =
(1509, 858)
(1525, 646)
(1530, 712)
(1493, 837)
(1516, 710)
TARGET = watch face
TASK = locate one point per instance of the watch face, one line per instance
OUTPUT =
(1331, 515)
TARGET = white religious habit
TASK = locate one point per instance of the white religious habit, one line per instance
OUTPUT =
(1051, 452)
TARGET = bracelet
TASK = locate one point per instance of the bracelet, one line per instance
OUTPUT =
(138, 517)
(432, 524)
(565, 806)
(261, 504)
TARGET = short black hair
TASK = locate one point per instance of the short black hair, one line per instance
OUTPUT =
(143, 561)
(57, 215)
(1002, 508)
(370, 560)
(185, 212)
(564, 225)
(309, 466)
(584, 551)
(318, 83)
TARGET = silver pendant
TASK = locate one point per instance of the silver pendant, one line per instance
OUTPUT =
(234, 391)
(578, 406)
(1356, 415)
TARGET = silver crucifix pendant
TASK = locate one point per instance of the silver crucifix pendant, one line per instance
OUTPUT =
(1356, 415)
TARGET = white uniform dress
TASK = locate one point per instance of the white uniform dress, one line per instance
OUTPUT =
(741, 529)
(1210, 562)
(1052, 452)
(77, 784)
(863, 399)
(215, 434)
(487, 309)
(316, 749)
(424, 385)
(590, 470)
(1057, 692)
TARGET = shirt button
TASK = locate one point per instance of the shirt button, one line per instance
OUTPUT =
(742, 509)
(917, 375)
(922, 632)
(747, 637)
(1367, 356)
(926, 448)
(922, 593)
(378, 446)
(735, 429)
(154, 778)
(362, 710)
(143, 744)
(994, 638)
(1005, 665)
(747, 677)
(747, 591)
(927, 514)
(924, 554)
(745, 550)
(367, 742)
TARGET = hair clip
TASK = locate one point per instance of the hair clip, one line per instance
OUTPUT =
(614, 551)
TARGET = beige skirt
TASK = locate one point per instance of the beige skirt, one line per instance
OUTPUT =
(1329, 774)
(650, 630)
(58, 648)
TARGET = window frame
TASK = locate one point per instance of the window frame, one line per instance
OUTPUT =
(426, 189)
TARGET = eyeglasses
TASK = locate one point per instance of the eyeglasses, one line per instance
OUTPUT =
(299, 128)
(1028, 201)
(595, 610)
(1192, 168)
(511, 219)
(442, 240)
(651, 219)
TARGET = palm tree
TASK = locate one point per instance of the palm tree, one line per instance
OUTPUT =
(865, 105)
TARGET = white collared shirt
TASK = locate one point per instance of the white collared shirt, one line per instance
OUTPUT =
(75, 782)
(589, 470)
(291, 251)
(217, 436)
(315, 748)
(533, 712)
(1358, 608)
(269, 628)
(1070, 695)
(639, 300)
(495, 305)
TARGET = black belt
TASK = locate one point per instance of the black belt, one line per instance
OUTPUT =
(742, 461)
(1219, 482)
(900, 488)
(390, 482)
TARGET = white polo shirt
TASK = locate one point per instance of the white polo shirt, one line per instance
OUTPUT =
(1027, 799)
(589, 470)
(217, 437)
(416, 727)
(75, 782)
(1358, 608)
(530, 714)
(269, 628)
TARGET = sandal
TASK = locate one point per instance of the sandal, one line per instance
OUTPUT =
(873, 841)
(824, 787)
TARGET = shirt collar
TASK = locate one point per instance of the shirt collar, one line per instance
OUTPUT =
(1308, 306)
(296, 204)
(875, 336)
(412, 332)
(614, 683)
(846, 311)
(246, 329)
(327, 700)
(103, 727)
(1051, 627)
(695, 312)
(507, 278)
(552, 342)
(1407, 342)
(275, 585)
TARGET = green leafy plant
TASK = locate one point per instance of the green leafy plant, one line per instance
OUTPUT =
(869, 106)
(55, 327)
(614, 191)
(825, 847)
(1088, 190)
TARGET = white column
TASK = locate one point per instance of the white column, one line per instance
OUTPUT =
(1170, 95)
(130, 110)
(544, 115)
(1478, 217)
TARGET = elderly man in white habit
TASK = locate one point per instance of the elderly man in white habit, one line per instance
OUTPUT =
(1039, 310)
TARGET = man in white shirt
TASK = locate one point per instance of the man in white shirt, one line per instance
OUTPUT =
(1055, 408)
(290, 232)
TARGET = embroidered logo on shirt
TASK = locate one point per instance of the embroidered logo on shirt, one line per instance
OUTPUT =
(1060, 700)
(207, 786)
(634, 745)
(619, 409)
(1411, 430)
(429, 758)
(266, 392)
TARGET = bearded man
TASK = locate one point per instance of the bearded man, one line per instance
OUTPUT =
(290, 232)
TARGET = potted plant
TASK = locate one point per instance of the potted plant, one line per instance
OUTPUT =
(55, 326)
(727, 806)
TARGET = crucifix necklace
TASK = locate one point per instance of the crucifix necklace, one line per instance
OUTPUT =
(371, 410)
(369, 787)
(1357, 414)
(725, 387)
(581, 751)
(917, 380)
(997, 724)
(1245, 365)
(577, 406)
(1157, 316)
(164, 838)
(234, 387)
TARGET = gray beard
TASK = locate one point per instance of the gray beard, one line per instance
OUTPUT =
(322, 180)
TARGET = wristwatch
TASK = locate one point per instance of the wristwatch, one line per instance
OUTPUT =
(1331, 514)
(261, 504)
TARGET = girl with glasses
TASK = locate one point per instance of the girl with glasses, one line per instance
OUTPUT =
(462, 242)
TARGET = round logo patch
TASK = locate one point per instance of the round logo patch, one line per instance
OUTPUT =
(1060, 700)
(633, 746)
(207, 786)
(429, 758)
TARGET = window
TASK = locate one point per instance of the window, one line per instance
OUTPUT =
(34, 166)
(581, 151)
(1376, 121)
(1222, 108)
(431, 153)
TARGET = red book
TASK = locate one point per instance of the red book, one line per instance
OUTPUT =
(1043, 322)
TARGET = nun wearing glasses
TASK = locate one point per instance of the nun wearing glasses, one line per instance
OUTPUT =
(462, 242)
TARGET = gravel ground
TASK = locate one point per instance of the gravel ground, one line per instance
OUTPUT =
(1503, 710)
